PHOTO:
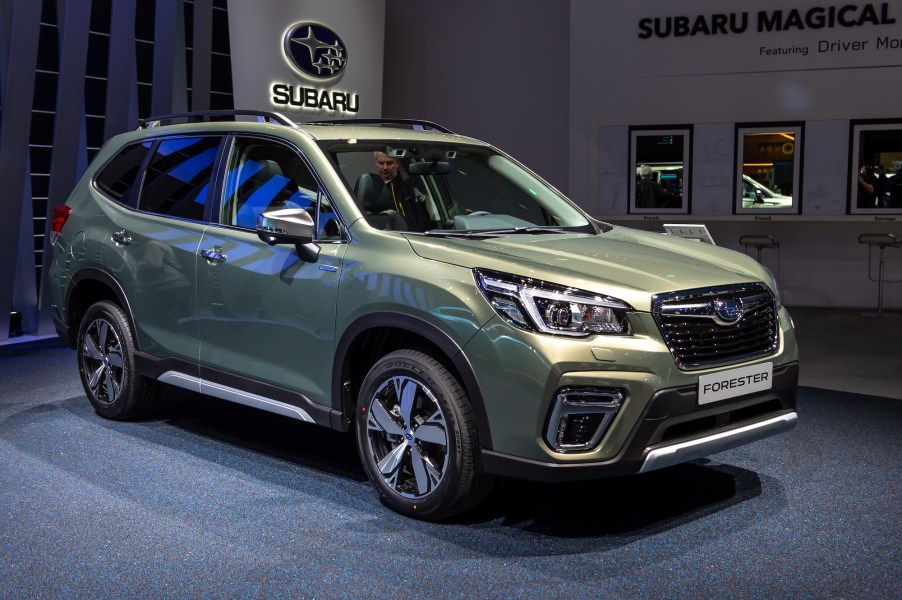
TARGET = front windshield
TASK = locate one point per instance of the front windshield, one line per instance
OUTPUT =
(444, 189)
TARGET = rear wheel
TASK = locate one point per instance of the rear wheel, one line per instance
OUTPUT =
(106, 363)
(416, 433)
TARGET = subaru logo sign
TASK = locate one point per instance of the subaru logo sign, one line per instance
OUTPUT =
(727, 311)
(315, 52)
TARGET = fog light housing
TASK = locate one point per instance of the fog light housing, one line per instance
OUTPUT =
(580, 417)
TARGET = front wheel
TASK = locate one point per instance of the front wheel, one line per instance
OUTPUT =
(416, 433)
(106, 363)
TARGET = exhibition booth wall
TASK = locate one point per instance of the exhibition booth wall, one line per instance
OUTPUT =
(73, 74)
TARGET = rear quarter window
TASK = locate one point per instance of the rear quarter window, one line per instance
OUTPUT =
(117, 178)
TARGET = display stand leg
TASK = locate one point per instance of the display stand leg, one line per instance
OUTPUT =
(880, 282)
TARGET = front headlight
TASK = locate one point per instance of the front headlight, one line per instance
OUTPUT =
(550, 308)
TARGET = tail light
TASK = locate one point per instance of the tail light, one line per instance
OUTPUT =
(60, 215)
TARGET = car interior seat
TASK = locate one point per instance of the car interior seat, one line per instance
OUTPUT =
(375, 201)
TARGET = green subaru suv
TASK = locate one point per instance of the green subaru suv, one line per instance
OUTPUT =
(421, 288)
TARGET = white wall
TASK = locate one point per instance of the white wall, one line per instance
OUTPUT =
(713, 82)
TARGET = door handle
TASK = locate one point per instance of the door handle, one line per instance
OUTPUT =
(122, 237)
(214, 255)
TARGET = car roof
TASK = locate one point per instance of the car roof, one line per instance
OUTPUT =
(364, 133)
(412, 130)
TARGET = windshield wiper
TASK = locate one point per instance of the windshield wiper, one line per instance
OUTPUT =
(494, 232)
(459, 234)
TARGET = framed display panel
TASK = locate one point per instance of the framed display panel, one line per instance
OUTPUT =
(875, 184)
(768, 168)
(659, 170)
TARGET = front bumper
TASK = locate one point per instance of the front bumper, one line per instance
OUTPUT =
(674, 428)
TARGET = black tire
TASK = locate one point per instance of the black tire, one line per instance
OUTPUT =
(106, 363)
(417, 438)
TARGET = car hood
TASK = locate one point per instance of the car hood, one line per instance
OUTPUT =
(628, 264)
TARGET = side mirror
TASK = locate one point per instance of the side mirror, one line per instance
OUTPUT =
(289, 226)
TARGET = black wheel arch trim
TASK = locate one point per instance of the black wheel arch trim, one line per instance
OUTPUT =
(154, 367)
(62, 331)
(453, 352)
(103, 277)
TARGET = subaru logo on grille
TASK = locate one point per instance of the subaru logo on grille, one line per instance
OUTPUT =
(728, 311)
(315, 52)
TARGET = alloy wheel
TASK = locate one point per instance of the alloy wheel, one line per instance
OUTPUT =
(102, 361)
(407, 436)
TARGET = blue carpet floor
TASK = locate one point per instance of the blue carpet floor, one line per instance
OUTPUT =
(213, 500)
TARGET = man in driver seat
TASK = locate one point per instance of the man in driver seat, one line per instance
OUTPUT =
(396, 194)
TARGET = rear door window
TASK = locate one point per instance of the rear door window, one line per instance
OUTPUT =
(178, 177)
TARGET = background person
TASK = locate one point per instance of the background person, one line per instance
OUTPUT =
(648, 191)
(395, 193)
(894, 189)
(867, 186)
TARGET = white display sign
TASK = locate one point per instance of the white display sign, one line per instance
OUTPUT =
(308, 59)
(735, 382)
(719, 38)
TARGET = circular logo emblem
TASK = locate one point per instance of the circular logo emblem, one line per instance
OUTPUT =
(315, 52)
(728, 311)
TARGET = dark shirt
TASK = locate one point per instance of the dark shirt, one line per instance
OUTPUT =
(894, 190)
(866, 196)
(396, 195)
(646, 194)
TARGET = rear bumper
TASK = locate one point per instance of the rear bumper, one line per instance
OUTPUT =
(674, 429)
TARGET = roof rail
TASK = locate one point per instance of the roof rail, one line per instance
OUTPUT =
(412, 123)
(210, 115)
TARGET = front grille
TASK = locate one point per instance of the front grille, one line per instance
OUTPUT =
(717, 326)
